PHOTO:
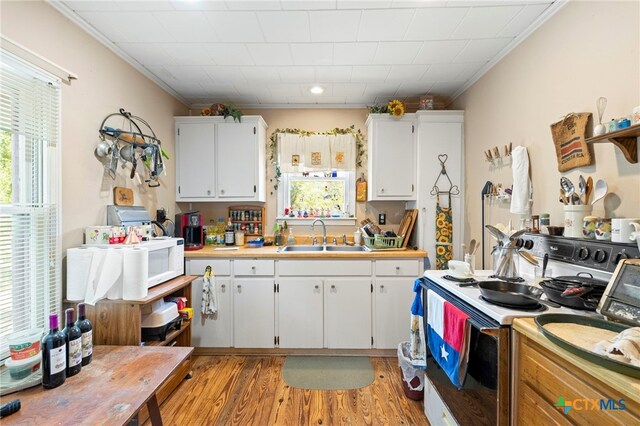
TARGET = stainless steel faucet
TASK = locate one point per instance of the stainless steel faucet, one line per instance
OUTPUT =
(324, 230)
(344, 239)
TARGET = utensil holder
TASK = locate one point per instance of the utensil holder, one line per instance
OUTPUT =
(505, 266)
(573, 219)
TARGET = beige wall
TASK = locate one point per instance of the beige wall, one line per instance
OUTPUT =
(105, 84)
(317, 120)
(587, 50)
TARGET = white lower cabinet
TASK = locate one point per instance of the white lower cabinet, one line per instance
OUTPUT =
(347, 317)
(214, 330)
(300, 302)
(393, 298)
(253, 312)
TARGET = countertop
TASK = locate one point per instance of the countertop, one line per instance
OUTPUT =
(271, 252)
(627, 386)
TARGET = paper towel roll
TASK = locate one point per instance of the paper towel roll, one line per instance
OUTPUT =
(108, 267)
(97, 262)
(115, 292)
(135, 273)
(78, 271)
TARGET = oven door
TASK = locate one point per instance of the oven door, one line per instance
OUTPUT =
(484, 397)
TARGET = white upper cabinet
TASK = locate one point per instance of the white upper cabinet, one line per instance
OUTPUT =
(220, 160)
(392, 157)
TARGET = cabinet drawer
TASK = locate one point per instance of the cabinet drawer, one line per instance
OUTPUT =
(404, 268)
(342, 268)
(254, 267)
(221, 267)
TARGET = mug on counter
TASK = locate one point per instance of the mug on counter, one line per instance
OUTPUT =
(589, 227)
(603, 229)
(621, 229)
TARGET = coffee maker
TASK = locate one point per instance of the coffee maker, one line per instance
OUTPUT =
(189, 226)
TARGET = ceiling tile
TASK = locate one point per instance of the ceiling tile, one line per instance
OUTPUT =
(381, 89)
(370, 73)
(225, 74)
(297, 74)
(361, 100)
(260, 90)
(261, 74)
(363, 4)
(284, 27)
(245, 100)
(198, 5)
(188, 89)
(522, 21)
(485, 22)
(443, 72)
(228, 54)
(434, 23)
(470, 70)
(270, 99)
(186, 26)
(406, 72)
(194, 74)
(187, 54)
(148, 53)
(412, 88)
(397, 52)
(353, 89)
(235, 27)
(302, 99)
(253, 5)
(433, 52)
(146, 6)
(308, 4)
(354, 53)
(219, 90)
(384, 25)
(93, 6)
(332, 99)
(482, 50)
(334, 25)
(270, 54)
(334, 74)
(312, 53)
(284, 89)
(418, 3)
(128, 26)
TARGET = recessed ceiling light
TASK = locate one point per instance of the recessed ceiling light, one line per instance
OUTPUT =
(316, 90)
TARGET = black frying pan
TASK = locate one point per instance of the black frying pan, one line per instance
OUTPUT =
(506, 293)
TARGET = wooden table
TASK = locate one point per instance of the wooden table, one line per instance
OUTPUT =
(110, 390)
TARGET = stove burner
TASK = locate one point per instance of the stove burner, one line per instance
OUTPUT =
(539, 307)
(508, 279)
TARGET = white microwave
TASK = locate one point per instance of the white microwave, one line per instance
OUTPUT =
(166, 259)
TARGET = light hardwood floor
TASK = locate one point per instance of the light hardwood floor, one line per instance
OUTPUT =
(249, 390)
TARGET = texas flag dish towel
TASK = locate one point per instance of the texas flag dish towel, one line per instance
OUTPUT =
(448, 337)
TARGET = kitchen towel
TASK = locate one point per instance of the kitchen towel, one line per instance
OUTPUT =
(209, 293)
(448, 334)
(521, 192)
(444, 234)
(624, 347)
(417, 348)
(135, 273)
(290, 152)
(317, 153)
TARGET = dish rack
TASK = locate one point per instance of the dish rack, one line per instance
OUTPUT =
(382, 242)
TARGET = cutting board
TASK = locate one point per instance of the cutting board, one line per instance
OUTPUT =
(406, 225)
(122, 196)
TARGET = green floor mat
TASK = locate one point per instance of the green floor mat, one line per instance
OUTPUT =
(327, 372)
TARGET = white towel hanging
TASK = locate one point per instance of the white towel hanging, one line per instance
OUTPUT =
(209, 293)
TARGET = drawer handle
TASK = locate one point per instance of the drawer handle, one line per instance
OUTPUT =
(239, 287)
(222, 191)
(397, 269)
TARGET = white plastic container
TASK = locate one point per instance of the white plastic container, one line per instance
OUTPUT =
(574, 215)
(161, 313)
(25, 344)
(23, 368)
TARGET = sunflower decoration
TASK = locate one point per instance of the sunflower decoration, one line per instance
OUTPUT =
(205, 112)
(396, 108)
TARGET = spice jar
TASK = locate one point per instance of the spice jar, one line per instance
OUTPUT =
(545, 219)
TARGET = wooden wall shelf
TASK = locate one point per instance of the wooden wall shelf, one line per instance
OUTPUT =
(625, 139)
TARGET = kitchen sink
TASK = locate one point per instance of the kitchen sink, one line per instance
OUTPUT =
(346, 248)
(322, 249)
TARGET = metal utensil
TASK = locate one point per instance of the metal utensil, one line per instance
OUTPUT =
(500, 236)
(599, 191)
(567, 187)
(545, 262)
(582, 188)
(528, 257)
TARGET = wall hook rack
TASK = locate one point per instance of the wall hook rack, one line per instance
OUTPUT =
(453, 189)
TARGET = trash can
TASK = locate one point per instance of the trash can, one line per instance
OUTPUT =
(412, 377)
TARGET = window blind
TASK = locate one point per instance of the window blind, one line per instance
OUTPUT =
(30, 278)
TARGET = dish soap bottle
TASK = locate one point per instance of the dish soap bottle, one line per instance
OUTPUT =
(229, 234)
(357, 237)
(291, 240)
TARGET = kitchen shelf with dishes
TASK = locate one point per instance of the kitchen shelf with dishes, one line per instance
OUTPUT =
(250, 219)
(625, 139)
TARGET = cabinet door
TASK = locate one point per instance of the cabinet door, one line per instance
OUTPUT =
(393, 298)
(253, 313)
(212, 331)
(237, 160)
(348, 313)
(195, 157)
(300, 312)
(393, 158)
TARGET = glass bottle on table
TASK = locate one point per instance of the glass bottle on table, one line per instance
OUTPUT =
(86, 328)
(54, 356)
(73, 341)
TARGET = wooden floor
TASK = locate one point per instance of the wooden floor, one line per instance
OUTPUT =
(249, 390)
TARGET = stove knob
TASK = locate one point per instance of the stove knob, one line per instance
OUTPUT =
(528, 244)
(600, 256)
(621, 256)
(519, 243)
(583, 253)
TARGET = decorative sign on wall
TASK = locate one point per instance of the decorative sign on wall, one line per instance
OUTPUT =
(569, 139)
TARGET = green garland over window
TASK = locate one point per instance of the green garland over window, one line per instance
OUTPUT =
(273, 145)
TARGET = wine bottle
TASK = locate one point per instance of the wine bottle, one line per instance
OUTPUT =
(54, 356)
(229, 234)
(87, 335)
(73, 340)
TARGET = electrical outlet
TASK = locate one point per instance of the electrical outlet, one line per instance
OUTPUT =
(382, 219)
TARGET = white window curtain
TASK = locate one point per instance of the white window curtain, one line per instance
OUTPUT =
(30, 282)
(316, 153)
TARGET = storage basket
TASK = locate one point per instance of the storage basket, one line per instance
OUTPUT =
(381, 242)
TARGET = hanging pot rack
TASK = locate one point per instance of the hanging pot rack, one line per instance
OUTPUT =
(453, 189)
(130, 146)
